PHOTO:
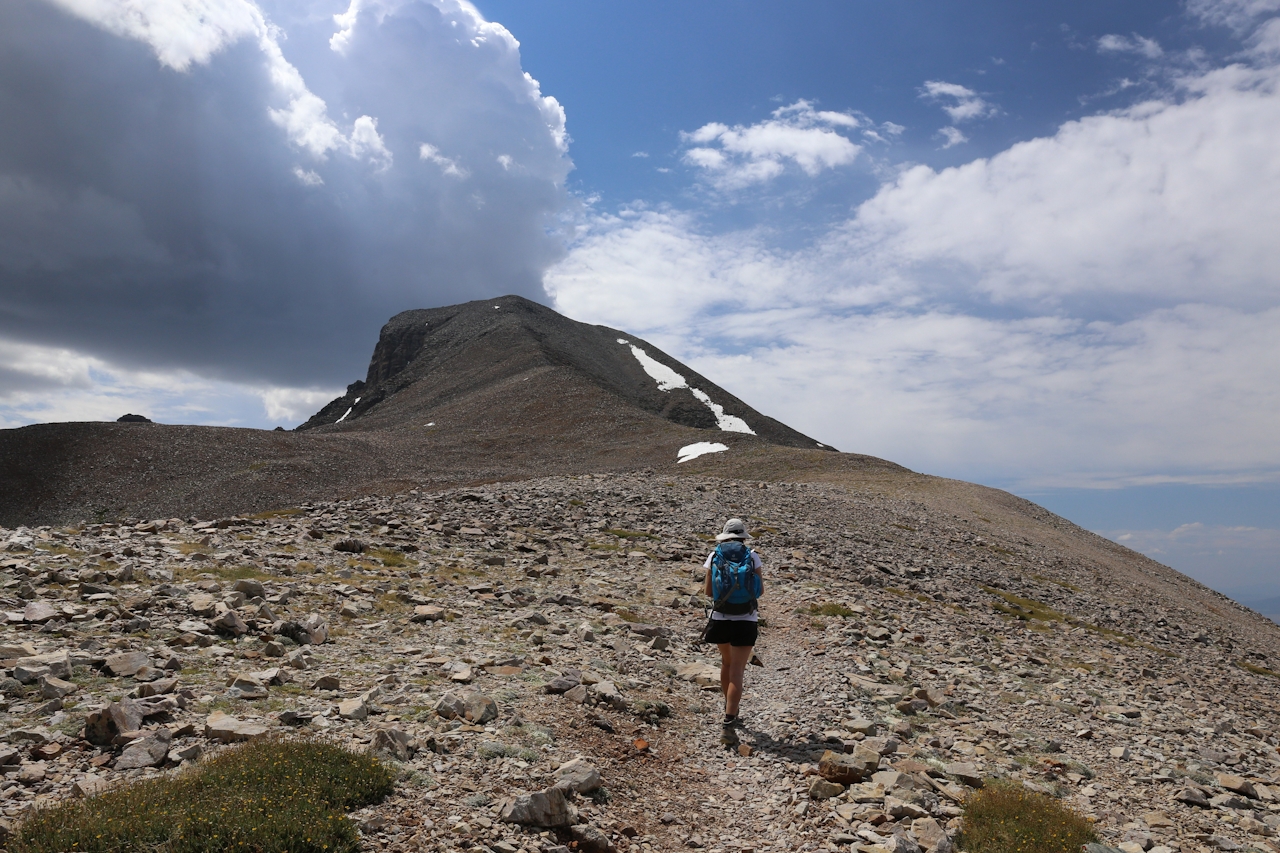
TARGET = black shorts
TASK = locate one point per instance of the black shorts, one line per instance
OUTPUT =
(735, 632)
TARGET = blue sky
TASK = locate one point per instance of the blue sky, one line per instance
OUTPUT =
(1028, 245)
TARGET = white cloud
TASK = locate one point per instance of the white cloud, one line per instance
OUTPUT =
(952, 136)
(447, 165)
(739, 156)
(1092, 308)
(960, 103)
(1140, 45)
(51, 385)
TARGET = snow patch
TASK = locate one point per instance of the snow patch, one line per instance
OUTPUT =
(344, 415)
(693, 451)
(727, 423)
(668, 379)
(623, 341)
(663, 375)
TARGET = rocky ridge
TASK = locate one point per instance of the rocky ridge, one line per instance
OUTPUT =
(524, 652)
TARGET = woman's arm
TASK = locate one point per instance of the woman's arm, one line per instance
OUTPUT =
(706, 584)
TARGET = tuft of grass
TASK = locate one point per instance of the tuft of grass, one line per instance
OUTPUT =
(831, 608)
(393, 559)
(272, 794)
(1008, 818)
(1257, 670)
(288, 512)
(629, 534)
(1024, 609)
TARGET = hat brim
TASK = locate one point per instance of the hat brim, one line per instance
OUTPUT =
(725, 537)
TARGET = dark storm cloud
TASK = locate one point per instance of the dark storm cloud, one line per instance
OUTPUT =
(157, 212)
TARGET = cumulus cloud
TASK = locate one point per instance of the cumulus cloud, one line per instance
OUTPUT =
(739, 156)
(205, 185)
(959, 102)
(1140, 45)
(952, 136)
(1034, 317)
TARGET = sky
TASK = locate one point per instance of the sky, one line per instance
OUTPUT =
(1026, 245)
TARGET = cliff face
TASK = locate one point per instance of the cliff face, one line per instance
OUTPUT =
(448, 354)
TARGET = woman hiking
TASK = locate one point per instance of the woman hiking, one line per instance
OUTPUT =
(733, 583)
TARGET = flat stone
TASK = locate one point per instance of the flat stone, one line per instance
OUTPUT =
(327, 682)
(246, 686)
(1237, 784)
(427, 613)
(52, 687)
(354, 709)
(227, 729)
(126, 663)
(39, 612)
(34, 666)
(966, 773)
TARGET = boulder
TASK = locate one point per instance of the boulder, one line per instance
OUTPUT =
(251, 588)
(560, 684)
(354, 709)
(102, 726)
(589, 839)
(427, 613)
(57, 664)
(545, 809)
(246, 686)
(966, 773)
(229, 624)
(125, 664)
(821, 789)
(227, 729)
(471, 705)
(578, 775)
(930, 835)
(702, 674)
(52, 687)
(38, 612)
(313, 630)
(148, 751)
(607, 692)
(395, 742)
(846, 769)
(1237, 784)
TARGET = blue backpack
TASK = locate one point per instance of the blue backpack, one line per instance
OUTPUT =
(735, 583)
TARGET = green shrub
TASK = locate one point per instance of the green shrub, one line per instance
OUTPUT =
(1008, 818)
(278, 795)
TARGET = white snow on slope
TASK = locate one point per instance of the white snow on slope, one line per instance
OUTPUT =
(693, 451)
(665, 376)
(727, 423)
(668, 379)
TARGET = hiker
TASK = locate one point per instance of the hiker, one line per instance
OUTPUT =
(733, 583)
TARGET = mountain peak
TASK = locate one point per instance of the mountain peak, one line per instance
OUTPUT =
(427, 358)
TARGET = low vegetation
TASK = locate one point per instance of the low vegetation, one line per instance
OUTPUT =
(831, 608)
(276, 795)
(1008, 818)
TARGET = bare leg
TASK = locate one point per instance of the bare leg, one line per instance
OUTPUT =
(733, 664)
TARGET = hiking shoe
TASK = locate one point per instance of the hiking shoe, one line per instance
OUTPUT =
(733, 722)
(728, 735)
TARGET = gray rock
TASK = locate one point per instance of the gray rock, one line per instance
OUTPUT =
(52, 687)
(394, 742)
(607, 692)
(246, 686)
(590, 839)
(546, 809)
(39, 612)
(427, 613)
(560, 684)
(101, 727)
(1193, 797)
(57, 664)
(250, 587)
(229, 623)
(577, 694)
(148, 751)
(354, 709)
(578, 775)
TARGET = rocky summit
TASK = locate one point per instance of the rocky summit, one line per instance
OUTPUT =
(524, 652)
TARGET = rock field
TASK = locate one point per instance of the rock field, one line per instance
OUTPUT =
(525, 652)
